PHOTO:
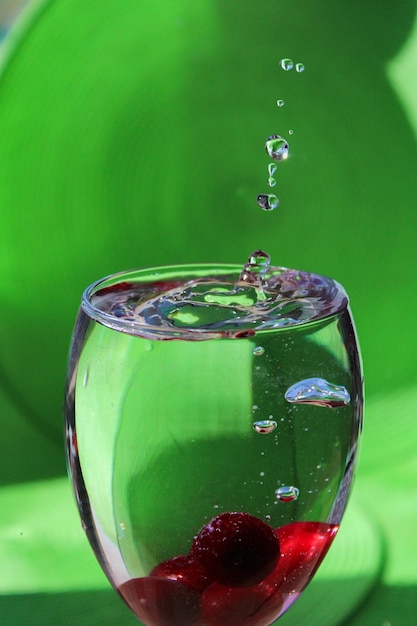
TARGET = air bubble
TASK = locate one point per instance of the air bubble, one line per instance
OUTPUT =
(259, 351)
(299, 67)
(267, 201)
(286, 64)
(277, 147)
(287, 494)
(280, 103)
(264, 427)
(319, 392)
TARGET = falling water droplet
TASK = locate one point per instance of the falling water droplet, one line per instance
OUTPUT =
(287, 494)
(267, 201)
(259, 351)
(319, 392)
(272, 181)
(280, 103)
(272, 168)
(264, 427)
(299, 67)
(277, 147)
(286, 64)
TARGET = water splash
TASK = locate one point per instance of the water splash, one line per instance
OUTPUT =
(319, 392)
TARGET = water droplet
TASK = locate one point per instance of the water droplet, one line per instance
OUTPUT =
(286, 64)
(319, 392)
(259, 260)
(272, 181)
(280, 103)
(299, 67)
(287, 494)
(264, 427)
(268, 518)
(268, 201)
(255, 269)
(262, 474)
(258, 351)
(291, 132)
(277, 147)
(272, 168)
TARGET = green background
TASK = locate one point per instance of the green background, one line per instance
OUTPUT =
(131, 134)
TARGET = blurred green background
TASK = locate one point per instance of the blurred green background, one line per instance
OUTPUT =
(131, 134)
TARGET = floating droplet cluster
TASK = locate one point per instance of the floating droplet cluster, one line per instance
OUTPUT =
(277, 146)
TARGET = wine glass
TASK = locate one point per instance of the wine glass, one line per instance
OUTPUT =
(213, 414)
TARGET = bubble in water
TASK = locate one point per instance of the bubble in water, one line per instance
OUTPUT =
(277, 147)
(272, 181)
(280, 103)
(259, 351)
(264, 427)
(319, 392)
(272, 168)
(299, 67)
(267, 201)
(287, 494)
(286, 64)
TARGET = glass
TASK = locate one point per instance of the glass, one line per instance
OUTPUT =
(212, 420)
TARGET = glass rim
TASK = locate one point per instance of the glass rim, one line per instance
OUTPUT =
(192, 271)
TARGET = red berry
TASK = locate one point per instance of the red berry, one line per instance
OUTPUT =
(184, 570)
(161, 602)
(258, 605)
(236, 549)
(303, 546)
